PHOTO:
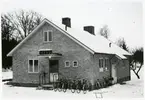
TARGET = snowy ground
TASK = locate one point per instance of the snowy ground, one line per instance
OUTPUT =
(132, 89)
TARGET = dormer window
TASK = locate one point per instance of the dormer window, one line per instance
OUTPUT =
(47, 36)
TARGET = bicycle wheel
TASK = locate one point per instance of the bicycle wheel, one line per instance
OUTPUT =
(60, 87)
(55, 87)
(73, 89)
(78, 89)
(85, 87)
(63, 87)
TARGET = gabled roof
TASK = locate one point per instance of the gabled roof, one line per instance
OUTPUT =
(92, 43)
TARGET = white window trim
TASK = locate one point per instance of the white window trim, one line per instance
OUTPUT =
(33, 66)
(65, 63)
(73, 63)
(47, 36)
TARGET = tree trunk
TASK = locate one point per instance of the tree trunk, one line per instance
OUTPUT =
(136, 74)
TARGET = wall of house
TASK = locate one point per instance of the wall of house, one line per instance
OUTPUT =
(69, 49)
(97, 74)
(123, 71)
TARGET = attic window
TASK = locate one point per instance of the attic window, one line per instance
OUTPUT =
(47, 36)
(41, 52)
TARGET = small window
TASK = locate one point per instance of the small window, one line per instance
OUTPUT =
(106, 64)
(48, 36)
(45, 36)
(75, 64)
(101, 65)
(30, 65)
(43, 52)
(67, 63)
(33, 66)
(36, 66)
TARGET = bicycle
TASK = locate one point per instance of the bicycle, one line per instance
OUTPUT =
(60, 85)
(64, 85)
(73, 86)
(97, 85)
(55, 86)
(79, 86)
(85, 86)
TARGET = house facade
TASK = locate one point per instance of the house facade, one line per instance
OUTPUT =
(58, 53)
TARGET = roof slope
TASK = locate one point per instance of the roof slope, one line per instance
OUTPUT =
(93, 43)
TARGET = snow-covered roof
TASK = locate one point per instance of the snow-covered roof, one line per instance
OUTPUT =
(93, 43)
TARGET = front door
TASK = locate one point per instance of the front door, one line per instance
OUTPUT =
(114, 74)
(53, 70)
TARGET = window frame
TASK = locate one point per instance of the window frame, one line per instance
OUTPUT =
(101, 65)
(73, 63)
(65, 63)
(106, 64)
(48, 36)
(33, 60)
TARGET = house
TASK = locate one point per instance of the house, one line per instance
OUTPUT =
(59, 50)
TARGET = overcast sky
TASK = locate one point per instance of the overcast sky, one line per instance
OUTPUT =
(124, 19)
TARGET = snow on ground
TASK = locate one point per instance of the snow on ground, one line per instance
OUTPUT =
(132, 89)
(7, 75)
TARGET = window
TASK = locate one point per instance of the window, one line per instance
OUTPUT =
(67, 63)
(36, 66)
(33, 66)
(41, 52)
(106, 63)
(101, 65)
(30, 65)
(45, 36)
(75, 64)
(48, 36)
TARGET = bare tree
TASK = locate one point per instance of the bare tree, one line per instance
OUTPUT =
(122, 43)
(6, 28)
(104, 31)
(16, 26)
(24, 21)
(137, 57)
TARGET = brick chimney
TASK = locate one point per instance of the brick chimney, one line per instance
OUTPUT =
(89, 29)
(67, 22)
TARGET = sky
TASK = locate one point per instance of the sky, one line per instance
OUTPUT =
(123, 17)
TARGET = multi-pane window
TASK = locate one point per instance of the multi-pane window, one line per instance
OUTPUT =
(101, 65)
(75, 64)
(41, 52)
(33, 66)
(67, 63)
(48, 36)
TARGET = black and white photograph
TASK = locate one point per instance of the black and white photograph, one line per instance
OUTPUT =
(72, 49)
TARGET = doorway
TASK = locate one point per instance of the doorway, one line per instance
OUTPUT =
(53, 70)
(114, 74)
